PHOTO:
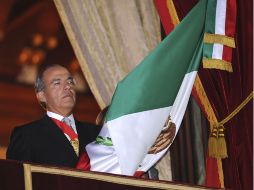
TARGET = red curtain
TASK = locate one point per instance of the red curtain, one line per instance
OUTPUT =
(226, 91)
(239, 165)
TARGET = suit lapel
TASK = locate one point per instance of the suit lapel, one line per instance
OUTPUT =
(57, 135)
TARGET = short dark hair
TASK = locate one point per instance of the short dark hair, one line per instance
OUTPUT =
(39, 82)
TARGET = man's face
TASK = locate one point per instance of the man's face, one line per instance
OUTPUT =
(58, 94)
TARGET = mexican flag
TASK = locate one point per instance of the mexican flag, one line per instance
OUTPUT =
(149, 103)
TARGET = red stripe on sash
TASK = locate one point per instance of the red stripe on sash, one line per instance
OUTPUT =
(66, 129)
(84, 162)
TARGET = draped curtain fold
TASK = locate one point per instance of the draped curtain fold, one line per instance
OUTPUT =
(109, 38)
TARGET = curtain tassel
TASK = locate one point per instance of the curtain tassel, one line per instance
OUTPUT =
(217, 147)
(212, 142)
(216, 143)
(221, 143)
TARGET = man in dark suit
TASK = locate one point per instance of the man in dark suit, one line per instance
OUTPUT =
(57, 138)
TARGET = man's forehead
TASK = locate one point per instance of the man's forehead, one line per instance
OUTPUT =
(57, 73)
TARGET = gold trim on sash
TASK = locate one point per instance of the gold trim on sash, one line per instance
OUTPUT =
(217, 64)
(75, 145)
(219, 39)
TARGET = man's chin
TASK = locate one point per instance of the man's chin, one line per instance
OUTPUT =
(68, 104)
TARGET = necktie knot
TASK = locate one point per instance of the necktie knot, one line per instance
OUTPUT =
(67, 121)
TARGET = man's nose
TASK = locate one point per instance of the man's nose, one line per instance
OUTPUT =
(67, 86)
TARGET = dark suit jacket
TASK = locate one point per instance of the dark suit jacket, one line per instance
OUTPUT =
(43, 142)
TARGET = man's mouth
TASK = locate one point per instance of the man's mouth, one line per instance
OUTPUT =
(67, 96)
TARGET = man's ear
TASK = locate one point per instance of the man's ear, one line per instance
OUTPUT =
(41, 99)
(40, 96)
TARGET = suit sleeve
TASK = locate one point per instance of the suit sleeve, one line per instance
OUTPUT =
(19, 147)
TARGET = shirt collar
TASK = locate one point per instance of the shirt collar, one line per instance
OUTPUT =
(59, 117)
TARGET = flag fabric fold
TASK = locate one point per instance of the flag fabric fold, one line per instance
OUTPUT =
(149, 103)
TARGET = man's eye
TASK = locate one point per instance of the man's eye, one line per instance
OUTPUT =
(71, 82)
(56, 83)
